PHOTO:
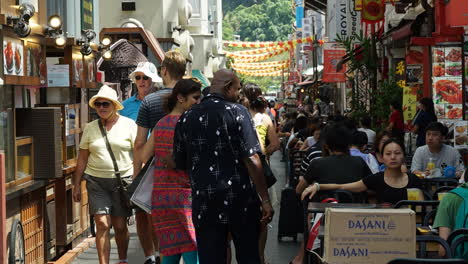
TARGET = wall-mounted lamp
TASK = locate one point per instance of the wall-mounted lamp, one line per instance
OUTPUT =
(84, 41)
(21, 23)
(104, 48)
(54, 30)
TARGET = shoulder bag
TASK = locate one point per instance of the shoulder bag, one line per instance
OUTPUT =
(122, 188)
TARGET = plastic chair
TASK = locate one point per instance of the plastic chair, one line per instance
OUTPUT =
(425, 207)
(456, 233)
(442, 189)
(426, 261)
(457, 242)
(422, 239)
(429, 217)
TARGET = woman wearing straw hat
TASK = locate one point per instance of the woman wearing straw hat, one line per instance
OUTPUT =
(96, 164)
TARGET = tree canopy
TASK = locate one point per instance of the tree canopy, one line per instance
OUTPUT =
(261, 20)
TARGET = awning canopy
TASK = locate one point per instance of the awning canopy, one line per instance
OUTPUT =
(317, 5)
(146, 35)
(199, 75)
(310, 71)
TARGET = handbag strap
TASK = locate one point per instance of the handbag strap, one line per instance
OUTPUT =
(111, 153)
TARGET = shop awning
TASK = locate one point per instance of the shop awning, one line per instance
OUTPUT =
(310, 71)
(317, 5)
(306, 83)
(404, 32)
(199, 75)
(146, 35)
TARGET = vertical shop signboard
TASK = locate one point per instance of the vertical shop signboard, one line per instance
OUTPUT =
(447, 81)
(87, 14)
(333, 53)
(414, 82)
(465, 75)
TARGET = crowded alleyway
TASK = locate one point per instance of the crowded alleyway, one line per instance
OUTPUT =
(276, 252)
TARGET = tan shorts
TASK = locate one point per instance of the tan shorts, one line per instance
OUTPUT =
(103, 196)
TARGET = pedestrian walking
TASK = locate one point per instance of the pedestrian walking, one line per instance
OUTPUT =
(150, 112)
(251, 97)
(96, 164)
(216, 143)
(171, 203)
(145, 77)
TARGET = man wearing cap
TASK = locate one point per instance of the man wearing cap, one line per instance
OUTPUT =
(144, 77)
(216, 143)
(150, 112)
(100, 166)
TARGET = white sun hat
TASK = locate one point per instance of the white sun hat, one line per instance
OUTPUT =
(109, 94)
(148, 69)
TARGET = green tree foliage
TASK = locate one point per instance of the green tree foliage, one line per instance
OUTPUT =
(267, 20)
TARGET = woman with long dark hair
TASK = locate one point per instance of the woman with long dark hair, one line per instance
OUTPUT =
(390, 185)
(171, 202)
(424, 117)
(251, 97)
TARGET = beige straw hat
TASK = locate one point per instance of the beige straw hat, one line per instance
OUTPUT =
(148, 69)
(109, 94)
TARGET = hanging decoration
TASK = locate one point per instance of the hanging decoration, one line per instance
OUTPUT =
(248, 66)
(373, 15)
(259, 73)
(257, 57)
(246, 44)
(256, 51)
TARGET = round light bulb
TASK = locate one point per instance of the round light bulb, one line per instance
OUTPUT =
(55, 22)
(302, 90)
(107, 55)
(60, 41)
(106, 41)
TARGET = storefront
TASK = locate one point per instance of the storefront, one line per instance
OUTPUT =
(43, 106)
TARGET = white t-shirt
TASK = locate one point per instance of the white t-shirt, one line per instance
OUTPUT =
(311, 141)
(370, 135)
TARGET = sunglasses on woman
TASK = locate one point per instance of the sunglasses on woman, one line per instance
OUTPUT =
(103, 104)
(138, 77)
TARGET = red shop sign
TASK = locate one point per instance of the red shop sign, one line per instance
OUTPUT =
(331, 59)
(457, 13)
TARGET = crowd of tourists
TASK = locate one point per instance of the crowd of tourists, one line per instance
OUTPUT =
(211, 152)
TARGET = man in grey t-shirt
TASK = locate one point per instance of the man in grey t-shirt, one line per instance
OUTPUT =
(442, 155)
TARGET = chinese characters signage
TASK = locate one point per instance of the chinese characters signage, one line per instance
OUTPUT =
(87, 19)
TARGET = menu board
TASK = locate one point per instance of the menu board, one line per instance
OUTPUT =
(447, 81)
(461, 134)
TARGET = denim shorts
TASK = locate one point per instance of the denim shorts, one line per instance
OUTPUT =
(103, 196)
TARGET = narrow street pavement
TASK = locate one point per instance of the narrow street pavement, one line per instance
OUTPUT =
(276, 252)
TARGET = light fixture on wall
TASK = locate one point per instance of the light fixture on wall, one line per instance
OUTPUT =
(85, 41)
(21, 23)
(54, 30)
(104, 48)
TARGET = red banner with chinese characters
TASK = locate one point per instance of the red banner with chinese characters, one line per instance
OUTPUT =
(331, 59)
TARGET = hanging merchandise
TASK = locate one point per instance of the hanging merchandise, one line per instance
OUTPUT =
(373, 15)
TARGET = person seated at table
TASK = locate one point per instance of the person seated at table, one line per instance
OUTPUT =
(338, 166)
(451, 215)
(379, 140)
(358, 146)
(390, 186)
(441, 154)
(314, 152)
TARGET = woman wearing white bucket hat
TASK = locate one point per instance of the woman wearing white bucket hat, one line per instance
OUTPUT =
(96, 165)
(144, 77)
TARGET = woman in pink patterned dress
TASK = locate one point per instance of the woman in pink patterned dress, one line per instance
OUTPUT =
(171, 203)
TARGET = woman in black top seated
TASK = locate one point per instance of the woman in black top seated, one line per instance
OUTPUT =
(390, 185)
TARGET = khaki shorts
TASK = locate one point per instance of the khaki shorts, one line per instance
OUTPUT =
(103, 196)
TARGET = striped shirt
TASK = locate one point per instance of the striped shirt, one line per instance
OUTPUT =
(315, 152)
(152, 108)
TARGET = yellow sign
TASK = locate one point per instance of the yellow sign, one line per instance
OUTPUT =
(410, 100)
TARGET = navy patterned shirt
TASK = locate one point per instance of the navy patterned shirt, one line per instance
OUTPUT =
(210, 142)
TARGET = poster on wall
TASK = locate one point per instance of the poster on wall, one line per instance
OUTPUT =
(461, 135)
(35, 61)
(414, 83)
(13, 57)
(333, 53)
(447, 82)
(78, 68)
